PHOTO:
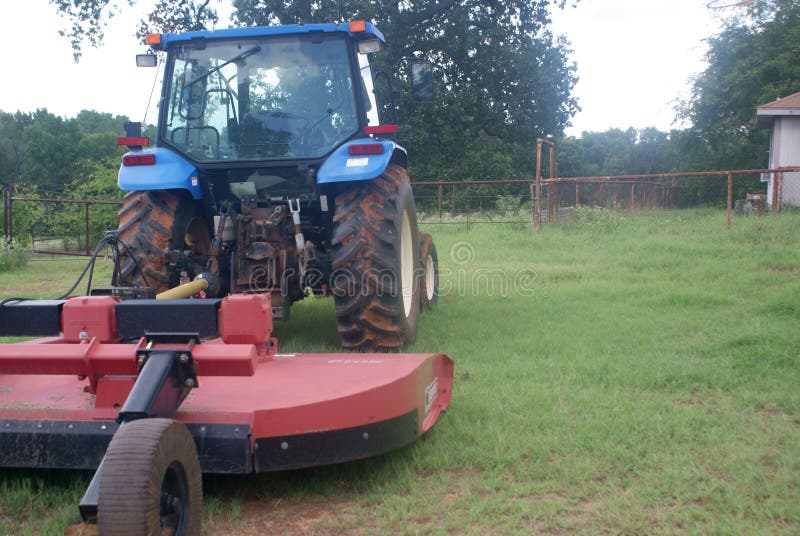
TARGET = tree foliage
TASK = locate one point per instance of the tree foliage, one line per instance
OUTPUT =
(503, 78)
(87, 19)
(752, 61)
(48, 151)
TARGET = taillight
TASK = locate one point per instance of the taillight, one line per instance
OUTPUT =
(134, 142)
(365, 148)
(139, 159)
(381, 129)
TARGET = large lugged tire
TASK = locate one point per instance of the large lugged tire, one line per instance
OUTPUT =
(375, 278)
(151, 481)
(151, 224)
(429, 260)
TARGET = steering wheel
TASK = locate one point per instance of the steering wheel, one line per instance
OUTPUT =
(319, 133)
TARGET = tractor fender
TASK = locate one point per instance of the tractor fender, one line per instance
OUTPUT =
(169, 172)
(341, 166)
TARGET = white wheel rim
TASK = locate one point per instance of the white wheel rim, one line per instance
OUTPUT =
(406, 263)
(430, 277)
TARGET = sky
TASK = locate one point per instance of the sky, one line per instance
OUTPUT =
(635, 59)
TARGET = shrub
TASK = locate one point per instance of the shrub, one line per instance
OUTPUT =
(598, 217)
(12, 256)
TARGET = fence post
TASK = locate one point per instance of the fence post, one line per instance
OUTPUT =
(577, 194)
(86, 226)
(602, 188)
(11, 190)
(440, 200)
(730, 198)
(775, 191)
(779, 197)
(633, 196)
(537, 179)
(557, 200)
(5, 212)
(453, 201)
(551, 194)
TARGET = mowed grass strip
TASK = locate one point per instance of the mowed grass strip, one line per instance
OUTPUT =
(630, 373)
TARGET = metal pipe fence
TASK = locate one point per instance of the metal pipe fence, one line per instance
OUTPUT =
(531, 202)
(553, 200)
(81, 236)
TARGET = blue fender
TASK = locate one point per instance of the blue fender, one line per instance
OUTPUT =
(341, 166)
(170, 172)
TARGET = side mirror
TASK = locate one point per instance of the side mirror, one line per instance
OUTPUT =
(146, 60)
(422, 82)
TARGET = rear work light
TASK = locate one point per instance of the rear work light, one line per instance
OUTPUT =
(139, 160)
(365, 148)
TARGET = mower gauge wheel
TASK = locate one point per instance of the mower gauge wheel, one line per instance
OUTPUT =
(151, 481)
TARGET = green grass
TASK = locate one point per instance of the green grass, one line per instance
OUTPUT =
(640, 377)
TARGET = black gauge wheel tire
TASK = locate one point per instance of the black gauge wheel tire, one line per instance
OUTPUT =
(151, 481)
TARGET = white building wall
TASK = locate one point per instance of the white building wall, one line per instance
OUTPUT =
(785, 151)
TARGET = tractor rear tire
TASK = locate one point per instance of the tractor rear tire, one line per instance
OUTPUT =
(375, 279)
(151, 224)
(151, 481)
(429, 260)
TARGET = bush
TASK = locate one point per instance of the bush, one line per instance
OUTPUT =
(12, 256)
(598, 217)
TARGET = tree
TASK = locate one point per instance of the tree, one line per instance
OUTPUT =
(88, 18)
(751, 62)
(504, 79)
(11, 145)
(48, 151)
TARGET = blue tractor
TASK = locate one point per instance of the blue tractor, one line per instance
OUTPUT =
(272, 173)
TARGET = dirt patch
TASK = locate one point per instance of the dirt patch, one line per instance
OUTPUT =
(773, 412)
(81, 529)
(288, 517)
(784, 268)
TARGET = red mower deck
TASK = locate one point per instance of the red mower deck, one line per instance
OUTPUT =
(248, 408)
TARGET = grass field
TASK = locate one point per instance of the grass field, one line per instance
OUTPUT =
(630, 374)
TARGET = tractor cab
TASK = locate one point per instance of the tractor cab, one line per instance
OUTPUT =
(288, 93)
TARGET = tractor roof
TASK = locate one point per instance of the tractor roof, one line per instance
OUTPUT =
(370, 31)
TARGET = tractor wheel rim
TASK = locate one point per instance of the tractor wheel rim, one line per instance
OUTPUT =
(406, 264)
(430, 277)
(174, 510)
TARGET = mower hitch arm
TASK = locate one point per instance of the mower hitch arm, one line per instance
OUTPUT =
(166, 376)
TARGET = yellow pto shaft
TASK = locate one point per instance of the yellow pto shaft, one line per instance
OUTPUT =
(183, 291)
